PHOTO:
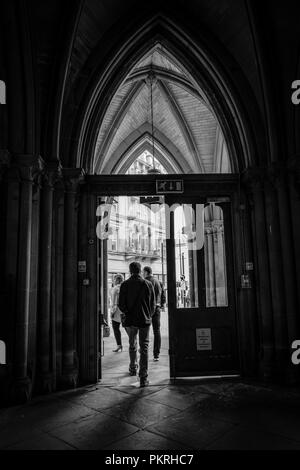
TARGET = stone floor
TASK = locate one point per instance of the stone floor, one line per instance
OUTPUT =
(118, 415)
(216, 414)
(115, 365)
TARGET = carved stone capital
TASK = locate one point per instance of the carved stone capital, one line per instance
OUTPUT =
(52, 173)
(4, 157)
(73, 177)
(293, 165)
(4, 161)
(272, 177)
(26, 167)
(254, 179)
(277, 174)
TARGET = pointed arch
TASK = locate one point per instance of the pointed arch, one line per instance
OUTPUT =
(139, 141)
(206, 74)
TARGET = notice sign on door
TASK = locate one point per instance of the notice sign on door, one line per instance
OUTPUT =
(203, 338)
(82, 266)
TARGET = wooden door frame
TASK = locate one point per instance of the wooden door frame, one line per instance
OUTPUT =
(139, 185)
(209, 186)
(226, 204)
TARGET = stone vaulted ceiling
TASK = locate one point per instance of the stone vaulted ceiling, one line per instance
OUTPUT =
(187, 136)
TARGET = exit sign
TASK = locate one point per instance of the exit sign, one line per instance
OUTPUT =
(169, 186)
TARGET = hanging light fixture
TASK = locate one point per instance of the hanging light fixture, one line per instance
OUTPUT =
(152, 202)
(151, 81)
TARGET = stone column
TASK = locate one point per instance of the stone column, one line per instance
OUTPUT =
(293, 174)
(88, 315)
(248, 299)
(58, 273)
(10, 227)
(293, 171)
(279, 177)
(282, 357)
(72, 179)
(34, 279)
(45, 376)
(27, 166)
(254, 180)
(6, 314)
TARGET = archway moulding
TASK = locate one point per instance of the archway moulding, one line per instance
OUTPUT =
(209, 77)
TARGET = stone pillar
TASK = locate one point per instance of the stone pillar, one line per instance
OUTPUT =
(27, 165)
(58, 273)
(279, 177)
(34, 279)
(293, 171)
(11, 218)
(282, 358)
(6, 316)
(72, 179)
(248, 299)
(293, 174)
(254, 180)
(45, 376)
(88, 315)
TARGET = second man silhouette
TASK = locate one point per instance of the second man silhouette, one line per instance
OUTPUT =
(159, 303)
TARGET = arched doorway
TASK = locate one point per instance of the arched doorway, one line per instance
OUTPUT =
(217, 51)
(112, 138)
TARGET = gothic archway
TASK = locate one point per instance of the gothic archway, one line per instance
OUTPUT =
(207, 79)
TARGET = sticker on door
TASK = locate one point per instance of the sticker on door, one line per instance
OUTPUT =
(203, 339)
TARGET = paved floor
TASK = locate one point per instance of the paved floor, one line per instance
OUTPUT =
(118, 415)
(115, 365)
(210, 415)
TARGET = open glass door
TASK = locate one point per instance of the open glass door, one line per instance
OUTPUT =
(202, 313)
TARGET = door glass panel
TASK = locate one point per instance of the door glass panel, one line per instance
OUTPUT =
(188, 232)
(215, 260)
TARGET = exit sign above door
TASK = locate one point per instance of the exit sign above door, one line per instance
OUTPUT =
(169, 186)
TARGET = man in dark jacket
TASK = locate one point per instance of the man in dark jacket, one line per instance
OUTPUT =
(137, 302)
(160, 300)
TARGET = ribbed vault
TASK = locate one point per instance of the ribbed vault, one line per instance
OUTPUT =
(187, 136)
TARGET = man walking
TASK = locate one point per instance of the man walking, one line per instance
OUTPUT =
(137, 303)
(159, 303)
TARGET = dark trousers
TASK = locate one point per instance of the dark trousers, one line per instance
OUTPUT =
(117, 332)
(143, 333)
(156, 332)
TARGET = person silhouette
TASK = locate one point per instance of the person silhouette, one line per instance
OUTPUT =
(115, 312)
(137, 302)
(159, 303)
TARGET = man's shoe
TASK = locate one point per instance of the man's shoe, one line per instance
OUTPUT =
(156, 358)
(144, 382)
